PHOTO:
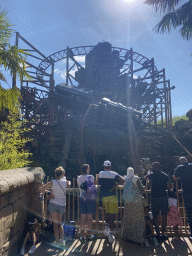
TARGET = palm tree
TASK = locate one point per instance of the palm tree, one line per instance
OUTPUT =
(174, 18)
(12, 129)
(11, 58)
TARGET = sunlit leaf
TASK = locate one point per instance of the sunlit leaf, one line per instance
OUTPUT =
(2, 77)
(12, 143)
(5, 27)
(11, 58)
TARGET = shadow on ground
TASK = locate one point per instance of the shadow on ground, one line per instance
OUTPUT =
(179, 247)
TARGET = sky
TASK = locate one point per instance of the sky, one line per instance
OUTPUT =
(52, 25)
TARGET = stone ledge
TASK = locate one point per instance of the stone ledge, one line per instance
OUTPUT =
(14, 178)
(4, 200)
(10, 248)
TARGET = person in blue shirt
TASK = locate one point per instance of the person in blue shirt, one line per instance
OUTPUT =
(87, 207)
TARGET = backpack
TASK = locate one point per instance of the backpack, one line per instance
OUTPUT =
(129, 192)
(89, 189)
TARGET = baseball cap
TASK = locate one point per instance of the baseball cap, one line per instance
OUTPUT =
(107, 163)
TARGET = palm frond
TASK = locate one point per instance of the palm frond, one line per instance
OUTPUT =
(5, 27)
(184, 16)
(168, 21)
(10, 99)
(186, 30)
(163, 5)
(180, 18)
(2, 78)
(13, 59)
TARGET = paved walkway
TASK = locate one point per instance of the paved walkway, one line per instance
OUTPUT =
(176, 247)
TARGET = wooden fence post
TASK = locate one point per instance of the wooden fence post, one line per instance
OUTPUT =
(69, 203)
(73, 199)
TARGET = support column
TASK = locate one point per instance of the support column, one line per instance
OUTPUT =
(14, 73)
(52, 82)
(154, 92)
(67, 67)
(131, 100)
(170, 110)
(165, 99)
(51, 102)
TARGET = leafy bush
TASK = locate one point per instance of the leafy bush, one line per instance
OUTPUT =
(12, 143)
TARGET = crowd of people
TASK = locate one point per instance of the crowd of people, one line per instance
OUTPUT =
(141, 219)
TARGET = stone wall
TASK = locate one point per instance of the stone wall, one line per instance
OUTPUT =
(18, 194)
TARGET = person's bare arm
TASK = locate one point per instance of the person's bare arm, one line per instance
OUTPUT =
(120, 181)
(46, 186)
(68, 183)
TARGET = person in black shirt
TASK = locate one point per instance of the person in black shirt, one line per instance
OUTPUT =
(184, 173)
(33, 233)
(159, 183)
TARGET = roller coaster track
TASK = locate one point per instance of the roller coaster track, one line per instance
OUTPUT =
(83, 50)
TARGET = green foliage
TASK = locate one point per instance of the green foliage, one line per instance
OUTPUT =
(174, 18)
(12, 129)
(177, 118)
(174, 120)
(5, 27)
(12, 143)
(9, 99)
(11, 58)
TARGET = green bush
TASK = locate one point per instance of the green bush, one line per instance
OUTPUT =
(12, 143)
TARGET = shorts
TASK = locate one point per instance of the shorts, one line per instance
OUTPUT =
(87, 206)
(56, 208)
(111, 204)
(31, 228)
(159, 203)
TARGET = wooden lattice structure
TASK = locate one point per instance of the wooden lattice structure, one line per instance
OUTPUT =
(109, 71)
(61, 123)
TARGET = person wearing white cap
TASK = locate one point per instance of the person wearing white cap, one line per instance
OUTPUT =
(108, 181)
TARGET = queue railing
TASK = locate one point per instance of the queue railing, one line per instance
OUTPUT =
(72, 207)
